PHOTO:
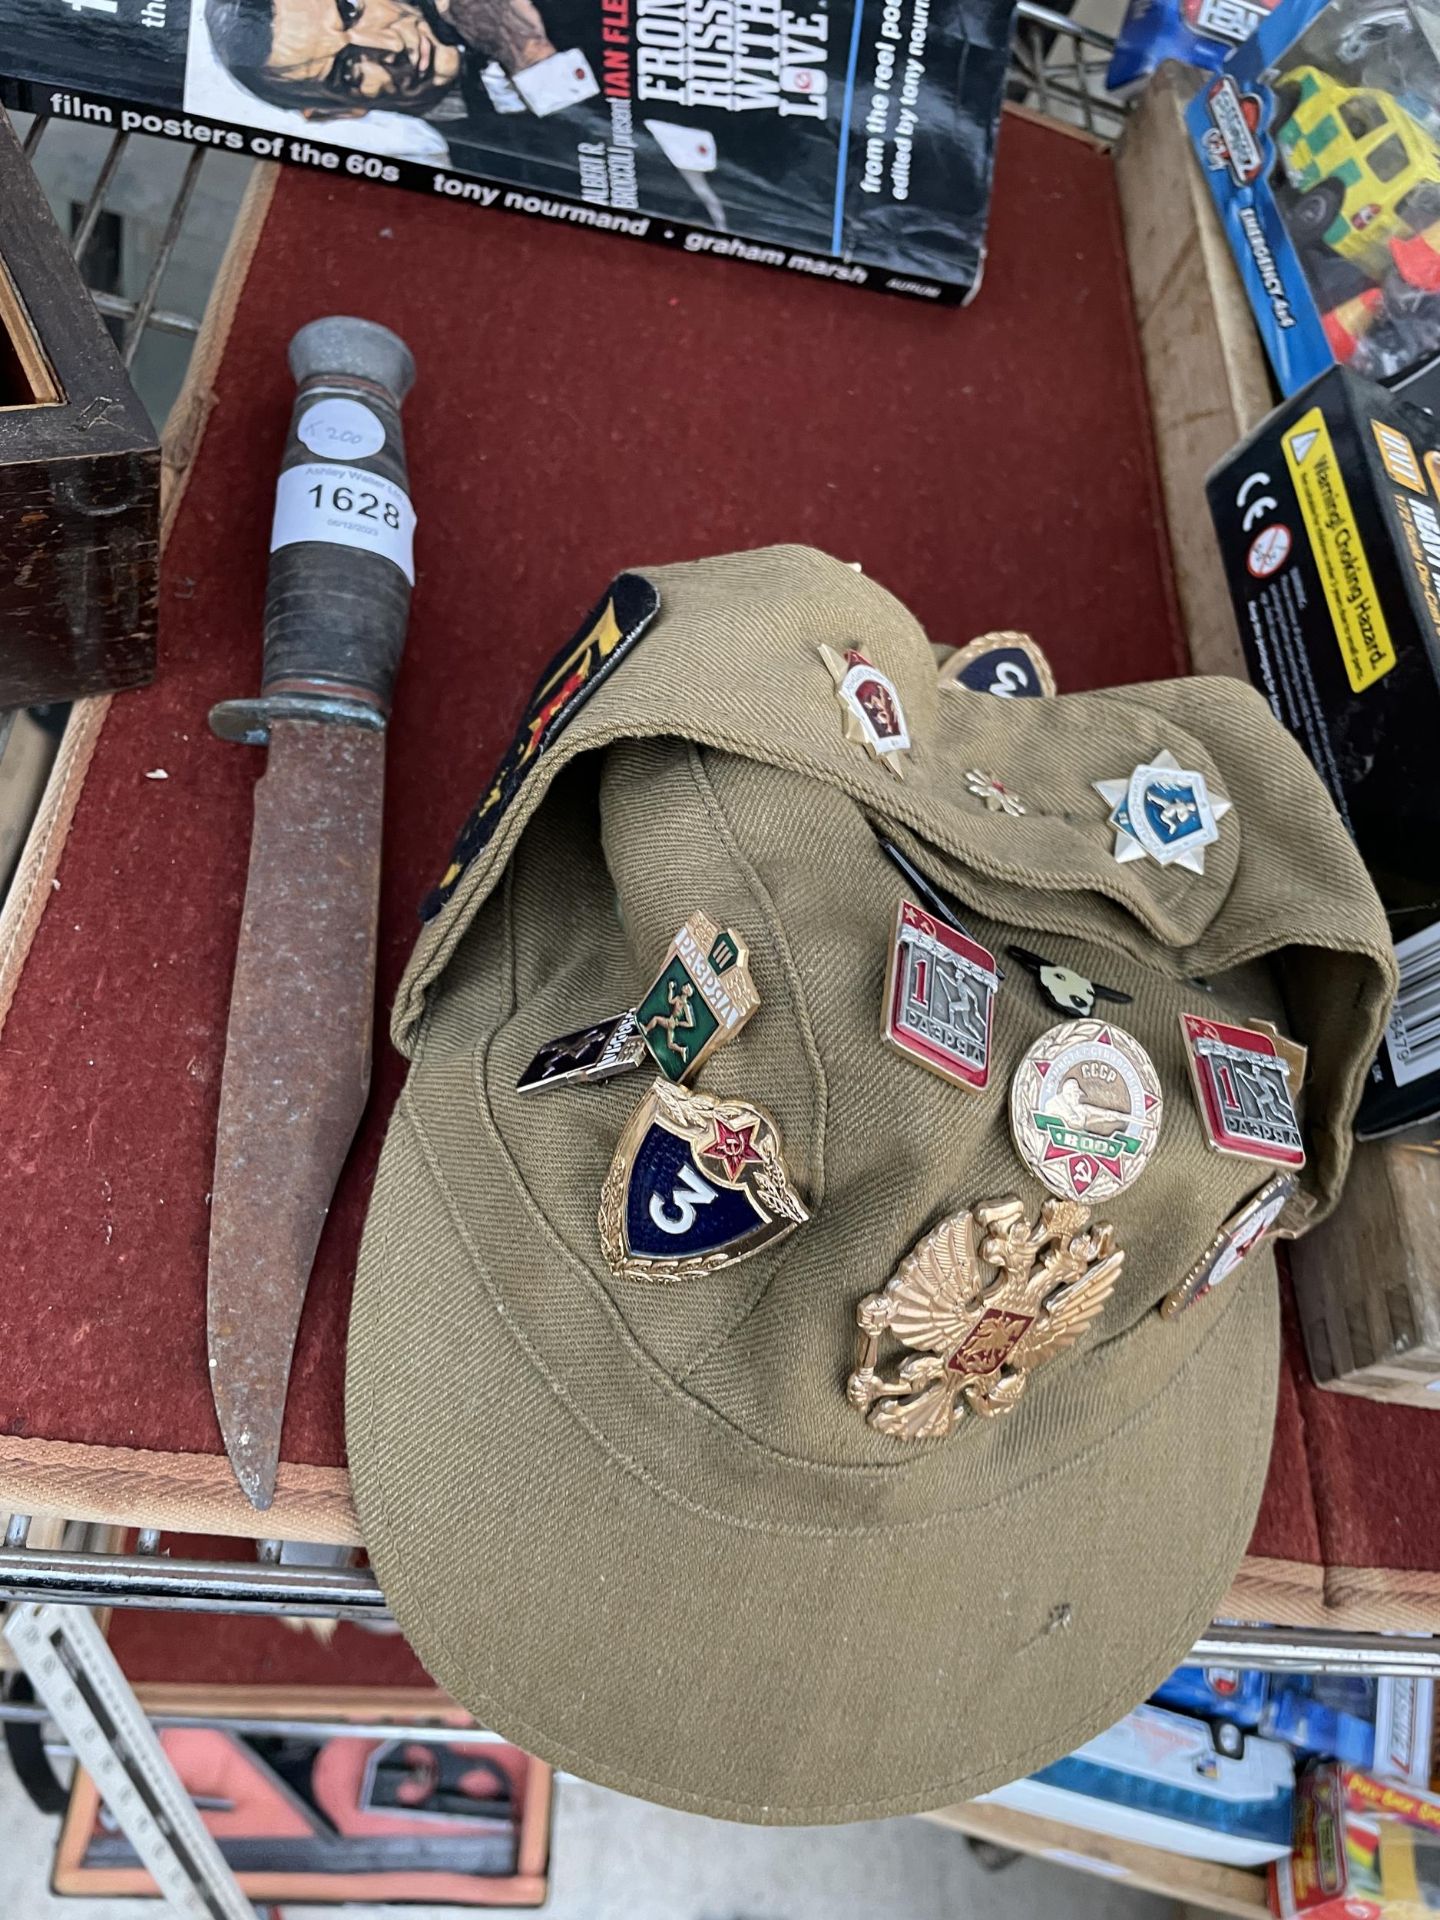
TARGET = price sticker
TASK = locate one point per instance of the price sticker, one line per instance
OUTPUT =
(345, 507)
(341, 429)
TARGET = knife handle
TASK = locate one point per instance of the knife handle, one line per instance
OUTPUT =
(338, 595)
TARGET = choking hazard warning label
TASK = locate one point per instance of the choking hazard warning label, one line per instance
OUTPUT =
(1360, 628)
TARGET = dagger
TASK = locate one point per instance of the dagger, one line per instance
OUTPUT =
(297, 1050)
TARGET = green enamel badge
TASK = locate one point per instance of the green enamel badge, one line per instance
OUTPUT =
(702, 998)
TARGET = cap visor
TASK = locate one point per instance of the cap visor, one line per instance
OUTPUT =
(699, 1644)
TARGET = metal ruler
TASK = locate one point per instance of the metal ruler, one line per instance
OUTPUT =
(75, 1674)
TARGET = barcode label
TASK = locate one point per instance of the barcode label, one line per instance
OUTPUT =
(1413, 1037)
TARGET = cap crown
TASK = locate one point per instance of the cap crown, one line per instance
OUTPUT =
(712, 771)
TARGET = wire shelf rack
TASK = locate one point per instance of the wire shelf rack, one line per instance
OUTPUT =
(135, 315)
(1058, 66)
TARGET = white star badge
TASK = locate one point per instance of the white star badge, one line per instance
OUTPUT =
(1166, 811)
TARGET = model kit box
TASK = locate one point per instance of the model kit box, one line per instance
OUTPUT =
(1363, 1848)
(1169, 1781)
(1329, 525)
(313, 1816)
(1321, 141)
(848, 140)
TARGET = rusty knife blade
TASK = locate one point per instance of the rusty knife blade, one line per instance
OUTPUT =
(297, 1066)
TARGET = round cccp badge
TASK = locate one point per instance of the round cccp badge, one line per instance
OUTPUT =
(1085, 1109)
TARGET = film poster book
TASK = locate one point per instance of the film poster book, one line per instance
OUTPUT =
(846, 140)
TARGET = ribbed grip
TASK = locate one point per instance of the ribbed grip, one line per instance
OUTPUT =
(336, 608)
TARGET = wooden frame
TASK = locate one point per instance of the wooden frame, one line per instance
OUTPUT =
(79, 472)
(21, 346)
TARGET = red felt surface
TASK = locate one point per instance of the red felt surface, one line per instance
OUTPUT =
(203, 1649)
(583, 404)
(1352, 1483)
(1288, 1527)
(1375, 1472)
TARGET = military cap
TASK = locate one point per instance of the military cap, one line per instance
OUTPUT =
(687, 1528)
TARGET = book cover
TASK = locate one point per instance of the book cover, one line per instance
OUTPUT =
(850, 140)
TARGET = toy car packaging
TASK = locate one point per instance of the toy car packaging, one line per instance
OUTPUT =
(1199, 32)
(1383, 1725)
(1321, 141)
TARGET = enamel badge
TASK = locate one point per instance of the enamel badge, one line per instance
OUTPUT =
(696, 1184)
(1246, 1084)
(600, 1052)
(1085, 1109)
(873, 713)
(997, 796)
(1009, 665)
(1240, 1235)
(1164, 811)
(938, 998)
(1068, 992)
(981, 1302)
(703, 997)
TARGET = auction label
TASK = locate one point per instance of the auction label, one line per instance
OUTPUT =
(345, 507)
(341, 429)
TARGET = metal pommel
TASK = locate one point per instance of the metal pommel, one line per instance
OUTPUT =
(337, 598)
(360, 349)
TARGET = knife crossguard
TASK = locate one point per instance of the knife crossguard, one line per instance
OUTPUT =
(338, 595)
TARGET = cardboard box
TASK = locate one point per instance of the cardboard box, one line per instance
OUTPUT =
(273, 1811)
(1328, 517)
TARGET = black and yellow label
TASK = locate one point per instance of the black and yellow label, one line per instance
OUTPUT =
(1345, 577)
(1420, 525)
(1401, 462)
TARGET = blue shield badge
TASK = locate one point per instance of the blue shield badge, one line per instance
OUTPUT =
(696, 1184)
(1172, 809)
(1009, 665)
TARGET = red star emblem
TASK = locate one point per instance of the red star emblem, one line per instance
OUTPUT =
(734, 1148)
